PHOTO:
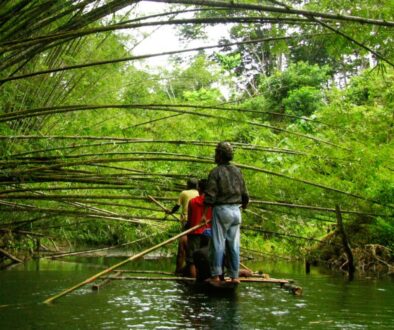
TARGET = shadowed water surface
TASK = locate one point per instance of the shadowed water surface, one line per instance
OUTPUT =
(329, 300)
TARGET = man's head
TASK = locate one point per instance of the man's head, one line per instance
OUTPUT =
(192, 183)
(202, 185)
(223, 153)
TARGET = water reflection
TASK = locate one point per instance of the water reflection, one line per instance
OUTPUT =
(204, 308)
(329, 301)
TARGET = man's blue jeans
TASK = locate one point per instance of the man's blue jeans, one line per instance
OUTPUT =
(226, 221)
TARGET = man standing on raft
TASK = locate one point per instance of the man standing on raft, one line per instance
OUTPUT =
(226, 192)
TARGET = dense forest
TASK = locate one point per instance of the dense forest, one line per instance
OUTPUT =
(89, 132)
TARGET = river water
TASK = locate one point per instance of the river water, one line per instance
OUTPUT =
(329, 301)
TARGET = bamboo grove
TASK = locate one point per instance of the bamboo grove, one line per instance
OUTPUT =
(90, 133)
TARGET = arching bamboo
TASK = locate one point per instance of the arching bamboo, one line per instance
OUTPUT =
(262, 8)
(133, 58)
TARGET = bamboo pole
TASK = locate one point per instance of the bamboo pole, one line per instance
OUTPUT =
(137, 57)
(153, 278)
(162, 206)
(69, 35)
(110, 269)
(319, 21)
(134, 271)
(61, 255)
(261, 8)
(185, 159)
(243, 227)
(58, 110)
(245, 267)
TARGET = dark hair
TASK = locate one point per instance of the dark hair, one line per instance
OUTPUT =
(192, 183)
(224, 151)
(202, 185)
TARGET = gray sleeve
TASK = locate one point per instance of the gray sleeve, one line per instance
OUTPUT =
(212, 189)
(244, 193)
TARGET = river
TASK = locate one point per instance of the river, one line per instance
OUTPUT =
(329, 300)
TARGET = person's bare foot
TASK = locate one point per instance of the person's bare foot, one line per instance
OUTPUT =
(235, 280)
(214, 281)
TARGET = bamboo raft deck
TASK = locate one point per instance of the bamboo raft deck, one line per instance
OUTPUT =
(115, 269)
(222, 286)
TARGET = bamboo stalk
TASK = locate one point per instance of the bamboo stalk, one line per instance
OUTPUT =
(162, 206)
(134, 58)
(184, 159)
(312, 18)
(55, 110)
(279, 234)
(245, 267)
(84, 16)
(24, 232)
(21, 43)
(267, 254)
(140, 220)
(262, 8)
(9, 196)
(145, 271)
(121, 141)
(10, 256)
(110, 269)
(154, 278)
(62, 255)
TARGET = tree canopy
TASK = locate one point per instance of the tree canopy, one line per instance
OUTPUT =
(302, 89)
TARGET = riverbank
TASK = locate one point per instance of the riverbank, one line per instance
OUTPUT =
(368, 259)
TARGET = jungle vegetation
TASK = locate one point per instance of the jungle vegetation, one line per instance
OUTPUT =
(304, 90)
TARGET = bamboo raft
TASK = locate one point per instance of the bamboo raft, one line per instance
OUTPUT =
(206, 286)
(105, 278)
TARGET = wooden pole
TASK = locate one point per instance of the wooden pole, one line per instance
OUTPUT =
(162, 206)
(110, 269)
(345, 242)
(245, 267)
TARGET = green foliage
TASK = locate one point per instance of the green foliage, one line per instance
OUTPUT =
(202, 96)
(228, 62)
(351, 165)
(372, 88)
(382, 232)
(303, 101)
(201, 73)
(296, 91)
(141, 87)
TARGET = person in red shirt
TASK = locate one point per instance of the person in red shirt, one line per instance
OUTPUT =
(200, 237)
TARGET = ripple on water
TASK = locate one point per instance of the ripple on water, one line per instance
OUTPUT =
(280, 313)
(300, 305)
